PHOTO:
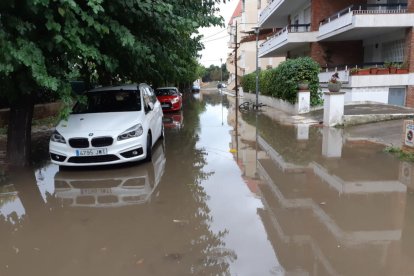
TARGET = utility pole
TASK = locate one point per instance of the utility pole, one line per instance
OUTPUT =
(236, 46)
(257, 31)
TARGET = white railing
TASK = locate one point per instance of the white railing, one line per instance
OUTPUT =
(335, 24)
(367, 9)
(282, 36)
(324, 77)
(274, 40)
(268, 10)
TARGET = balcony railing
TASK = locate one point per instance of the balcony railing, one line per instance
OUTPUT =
(282, 35)
(368, 9)
(269, 7)
(293, 28)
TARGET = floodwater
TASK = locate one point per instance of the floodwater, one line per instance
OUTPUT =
(227, 193)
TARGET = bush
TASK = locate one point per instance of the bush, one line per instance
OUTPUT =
(248, 82)
(282, 82)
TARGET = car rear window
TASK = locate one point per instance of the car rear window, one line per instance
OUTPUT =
(165, 92)
(109, 101)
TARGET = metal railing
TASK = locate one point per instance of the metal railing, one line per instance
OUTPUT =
(346, 67)
(368, 9)
(292, 28)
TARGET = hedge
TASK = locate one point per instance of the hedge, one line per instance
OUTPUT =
(282, 82)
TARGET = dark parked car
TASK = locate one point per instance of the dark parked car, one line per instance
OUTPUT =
(221, 85)
(195, 88)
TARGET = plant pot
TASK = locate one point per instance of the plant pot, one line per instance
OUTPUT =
(364, 71)
(373, 71)
(334, 86)
(383, 71)
(402, 71)
(303, 86)
(393, 70)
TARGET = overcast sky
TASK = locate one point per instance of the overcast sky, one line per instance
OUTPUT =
(216, 38)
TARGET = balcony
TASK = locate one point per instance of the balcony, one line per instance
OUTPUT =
(290, 37)
(358, 22)
(276, 13)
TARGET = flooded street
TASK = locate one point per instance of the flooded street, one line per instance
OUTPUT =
(226, 193)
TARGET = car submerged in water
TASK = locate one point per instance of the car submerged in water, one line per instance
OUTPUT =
(170, 98)
(114, 125)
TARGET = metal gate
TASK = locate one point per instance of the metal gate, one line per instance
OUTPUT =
(396, 96)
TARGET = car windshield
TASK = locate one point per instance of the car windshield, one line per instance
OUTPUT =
(166, 92)
(109, 101)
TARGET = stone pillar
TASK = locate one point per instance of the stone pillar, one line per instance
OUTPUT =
(332, 142)
(333, 108)
(303, 105)
(302, 132)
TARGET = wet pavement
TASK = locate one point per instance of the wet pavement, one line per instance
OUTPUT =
(227, 193)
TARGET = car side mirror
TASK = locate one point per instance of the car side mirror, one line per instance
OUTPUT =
(151, 106)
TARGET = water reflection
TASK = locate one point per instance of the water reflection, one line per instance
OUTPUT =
(11, 208)
(171, 234)
(332, 206)
(174, 120)
(127, 185)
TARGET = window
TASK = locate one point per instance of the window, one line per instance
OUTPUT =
(393, 51)
(109, 101)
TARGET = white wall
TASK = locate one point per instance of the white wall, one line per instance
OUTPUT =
(375, 94)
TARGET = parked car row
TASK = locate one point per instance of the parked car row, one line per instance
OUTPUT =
(113, 125)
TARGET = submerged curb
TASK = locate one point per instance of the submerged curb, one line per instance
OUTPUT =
(351, 120)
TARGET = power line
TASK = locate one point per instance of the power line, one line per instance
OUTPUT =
(214, 34)
(215, 39)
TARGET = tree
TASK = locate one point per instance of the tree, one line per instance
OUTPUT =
(46, 43)
(215, 73)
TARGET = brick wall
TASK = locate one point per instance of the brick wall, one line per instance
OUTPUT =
(334, 53)
(40, 111)
(409, 48)
(410, 96)
(410, 5)
(409, 59)
(322, 9)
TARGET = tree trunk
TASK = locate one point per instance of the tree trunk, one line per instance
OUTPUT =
(19, 132)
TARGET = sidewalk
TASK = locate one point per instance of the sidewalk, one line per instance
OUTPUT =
(356, 114)
(376, 122)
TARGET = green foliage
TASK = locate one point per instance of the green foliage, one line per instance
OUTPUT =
(400, 154)
(248, 82)
(215, 73)
(282, 82)
(45, 44)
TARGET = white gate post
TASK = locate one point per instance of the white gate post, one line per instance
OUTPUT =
(333, 108)
(303, 105)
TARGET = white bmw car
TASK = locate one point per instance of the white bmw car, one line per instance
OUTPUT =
(116, 124)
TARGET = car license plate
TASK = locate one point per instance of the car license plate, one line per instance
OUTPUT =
(165, 105)
(91, 152)
(95, 191)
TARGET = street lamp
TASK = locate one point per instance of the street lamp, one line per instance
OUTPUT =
(257, 31)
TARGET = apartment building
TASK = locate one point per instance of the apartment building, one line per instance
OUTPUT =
(246, 17)
(347, 36)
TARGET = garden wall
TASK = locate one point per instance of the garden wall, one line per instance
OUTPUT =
(40, 111)
(273, 102)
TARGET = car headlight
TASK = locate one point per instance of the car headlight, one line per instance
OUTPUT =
(131, 132)
(174, 100)
(57, 137)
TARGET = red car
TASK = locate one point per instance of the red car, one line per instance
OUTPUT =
(170, 98)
